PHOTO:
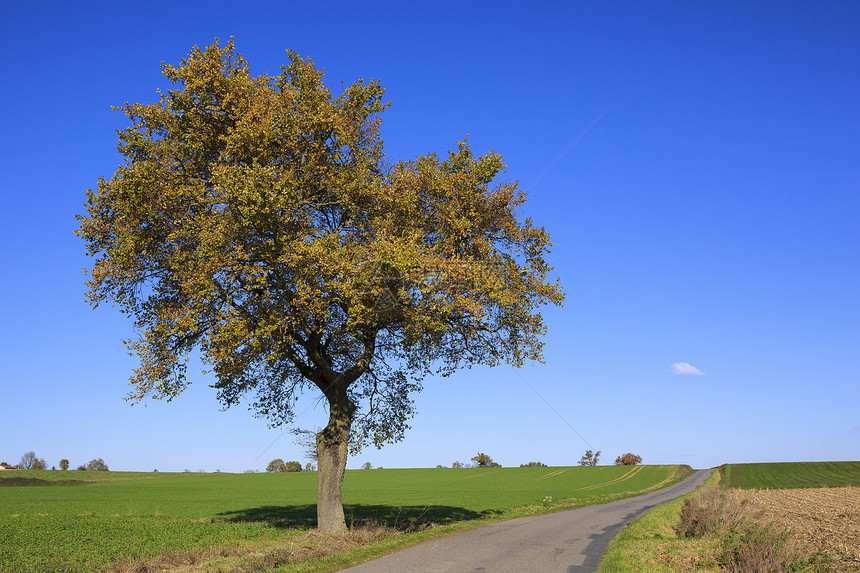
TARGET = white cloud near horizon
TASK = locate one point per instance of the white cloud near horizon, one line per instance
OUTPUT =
(685, 369)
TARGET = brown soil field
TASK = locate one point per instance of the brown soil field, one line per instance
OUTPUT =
(828, 518)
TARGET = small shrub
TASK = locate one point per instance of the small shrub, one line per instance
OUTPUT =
(628, 459)
(768, 549)
(705, 513)
(483, 460)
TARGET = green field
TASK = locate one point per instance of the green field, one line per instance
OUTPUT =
(794, 475)
(114, 516)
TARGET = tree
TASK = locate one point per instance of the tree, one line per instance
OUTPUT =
(533, 465)
(64, 464)
(29, 461)
(367, 466)
(589, 458)
(97, 465)
(293, 466)
(309, 467)
(484, 461)
(276, 465)
(628, 459)
(257, 220)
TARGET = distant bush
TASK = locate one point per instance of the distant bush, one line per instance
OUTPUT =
(367, 466)
(457, 465)
(64, 464)
(590, 458)
(276, 465)
(97, 465)
(628, 459)
(533, 465)
(482, 460)
(292, 467)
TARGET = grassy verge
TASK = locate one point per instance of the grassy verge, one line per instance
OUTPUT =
(650, 544)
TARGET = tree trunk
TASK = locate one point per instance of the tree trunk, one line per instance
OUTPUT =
(332, 451)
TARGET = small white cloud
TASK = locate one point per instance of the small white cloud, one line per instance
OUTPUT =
(686, 369)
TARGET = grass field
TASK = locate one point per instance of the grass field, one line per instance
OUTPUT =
(115, 516)
(791, 475)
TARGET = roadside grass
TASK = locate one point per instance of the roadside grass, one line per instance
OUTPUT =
(125, 521)
(650, 544)
(791, 475)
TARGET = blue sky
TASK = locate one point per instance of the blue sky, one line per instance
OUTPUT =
(708, 217)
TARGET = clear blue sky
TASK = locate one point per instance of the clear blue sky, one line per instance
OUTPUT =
(710, 217)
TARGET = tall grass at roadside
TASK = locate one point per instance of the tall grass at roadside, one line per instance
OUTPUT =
(650, 544)
(745, 542)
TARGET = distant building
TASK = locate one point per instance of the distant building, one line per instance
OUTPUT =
(7, 467)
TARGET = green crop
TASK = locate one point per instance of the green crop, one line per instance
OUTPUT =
(113, 516)
(791, 475)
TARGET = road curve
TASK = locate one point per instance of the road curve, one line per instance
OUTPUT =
(570, 541)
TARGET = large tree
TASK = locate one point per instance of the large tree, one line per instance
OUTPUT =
(256, 219)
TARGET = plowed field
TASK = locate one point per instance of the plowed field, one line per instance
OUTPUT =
(824, 517)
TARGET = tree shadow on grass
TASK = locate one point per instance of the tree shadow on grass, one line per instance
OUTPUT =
(405, 518)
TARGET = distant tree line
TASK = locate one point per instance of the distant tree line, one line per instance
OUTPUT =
(279, 465)
(29, 461)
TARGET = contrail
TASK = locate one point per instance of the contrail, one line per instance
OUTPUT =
(553, 409)
(566, 149)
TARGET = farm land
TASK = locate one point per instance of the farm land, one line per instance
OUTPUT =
(124, 521)
(768, 517)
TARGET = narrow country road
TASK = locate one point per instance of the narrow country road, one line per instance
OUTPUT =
(570, 541)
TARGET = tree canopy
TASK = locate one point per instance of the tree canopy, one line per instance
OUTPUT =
(628, 459)
(257, 220)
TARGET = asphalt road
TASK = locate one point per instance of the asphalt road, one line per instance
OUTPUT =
(570, 541)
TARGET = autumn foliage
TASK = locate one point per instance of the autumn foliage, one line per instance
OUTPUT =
(256, 220)
(628, 459)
